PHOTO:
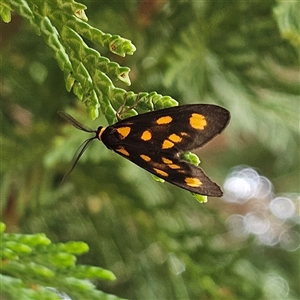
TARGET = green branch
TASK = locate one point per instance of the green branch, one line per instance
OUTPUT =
(63, 25)
(30, 264)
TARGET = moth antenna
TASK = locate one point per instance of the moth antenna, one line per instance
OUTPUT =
(74, 122)
(81, 149)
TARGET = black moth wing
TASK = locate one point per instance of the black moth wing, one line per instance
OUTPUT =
(155, 140)
(187, 170)
(216, 117)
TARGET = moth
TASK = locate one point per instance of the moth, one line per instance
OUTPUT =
(155, 141)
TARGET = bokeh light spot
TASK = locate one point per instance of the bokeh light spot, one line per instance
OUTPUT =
(282, 207)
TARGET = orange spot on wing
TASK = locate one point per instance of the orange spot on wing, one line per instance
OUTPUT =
(160, 172)
(167, 144)
(175, 138)
(145, 157)
(174, 166)
(166, 160)
(124, 131)
(123, 151)
(164, 120)
(198, 121)
(192, 181)
(146, 135)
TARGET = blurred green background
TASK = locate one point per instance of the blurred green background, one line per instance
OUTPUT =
(156, 238)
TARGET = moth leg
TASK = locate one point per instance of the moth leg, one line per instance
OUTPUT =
(121, 109)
